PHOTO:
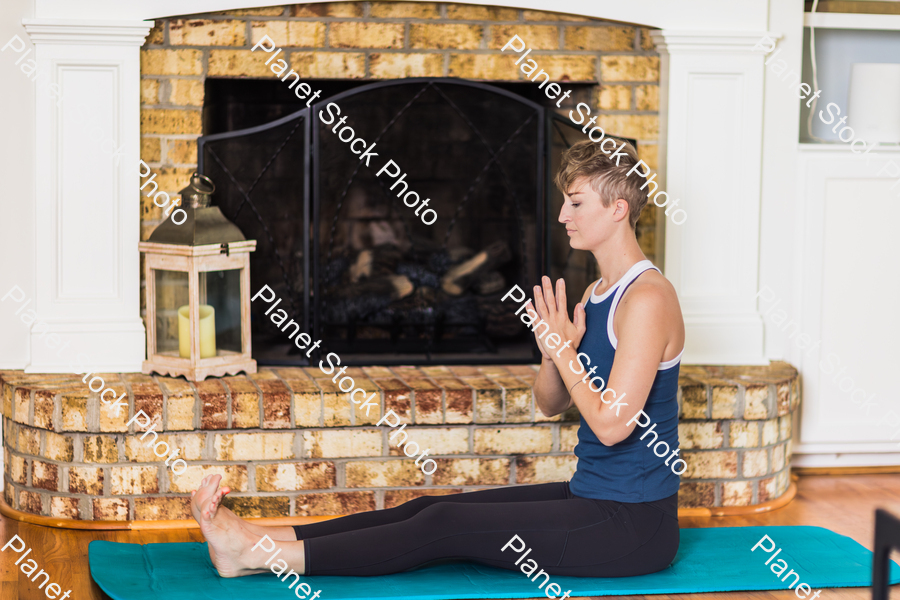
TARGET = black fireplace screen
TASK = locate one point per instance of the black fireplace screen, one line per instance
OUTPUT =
(356, 266)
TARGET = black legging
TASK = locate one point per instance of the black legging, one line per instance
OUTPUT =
(568, 535)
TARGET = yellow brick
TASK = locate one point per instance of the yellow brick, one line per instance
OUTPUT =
(647, 97)
(536, 37)
(568, 437)
(471, 471)
(206, 32)
(600, 39)
(540, 15)
(234, 476)
(86, 480)
(353, 34)
(769, 432)
(186, 92)
(567, 67)
(441, 440)
(17, 470)
(307, 409)
(171, 62)
(400, 10)
(481, 13)
(710, 465)
(134, 480)
(400, 472)
(298, 34)
(337, 65)
(778, 458)
(114, 419)
(149, 91)
(74, 412)
(649, 153)
(180, 411)
(513, 440)
(700, 435)
(173, 179)
(254, 446)
(150, 149)
(629, 68)
(614, 97)
(157, 34)
(755, 463)
(337, 410)
(641, 127)
(63, 507)
(190, 446)
(756, 402)
(544, 469)
(737, 493)
(518, 403)
(29, 441)
(398, 66)
(181, 152)
(59, 447)
(646, 40)
(295, 476)
(164, 120)
(243, 63)
(328, 9)
(342, 443)
(432, 35)
(482, 66)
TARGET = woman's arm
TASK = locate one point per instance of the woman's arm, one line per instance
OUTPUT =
(644, 322)
(550, 392)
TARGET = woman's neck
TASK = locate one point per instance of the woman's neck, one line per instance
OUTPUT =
(615, 256)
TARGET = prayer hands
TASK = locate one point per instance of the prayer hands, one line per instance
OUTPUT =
(553, 310)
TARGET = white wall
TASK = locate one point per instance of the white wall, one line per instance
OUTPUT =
(17, 130)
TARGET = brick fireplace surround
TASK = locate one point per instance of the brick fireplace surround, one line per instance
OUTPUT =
(290, 444)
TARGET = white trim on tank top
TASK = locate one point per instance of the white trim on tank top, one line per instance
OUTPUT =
(619, 288)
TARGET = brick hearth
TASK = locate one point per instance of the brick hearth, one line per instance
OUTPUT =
(290, 443)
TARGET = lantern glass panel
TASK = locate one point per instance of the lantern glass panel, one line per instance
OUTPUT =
(171, 294)
(222, 291)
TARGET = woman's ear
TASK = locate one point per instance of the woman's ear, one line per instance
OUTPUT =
(621, 211)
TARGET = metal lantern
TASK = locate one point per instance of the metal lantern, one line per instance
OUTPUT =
(198, 292)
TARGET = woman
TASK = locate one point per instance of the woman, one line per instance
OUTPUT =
(618, 514)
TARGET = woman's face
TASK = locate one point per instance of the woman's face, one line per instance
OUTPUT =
(587, 221)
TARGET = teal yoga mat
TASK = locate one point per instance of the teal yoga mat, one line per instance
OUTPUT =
(709, 560)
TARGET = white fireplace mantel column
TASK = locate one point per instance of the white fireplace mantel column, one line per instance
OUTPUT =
(87, 222)
(711, 116)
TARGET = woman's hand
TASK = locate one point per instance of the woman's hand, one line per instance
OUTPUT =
(553, 310)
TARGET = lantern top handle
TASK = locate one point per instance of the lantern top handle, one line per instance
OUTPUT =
(199, 191)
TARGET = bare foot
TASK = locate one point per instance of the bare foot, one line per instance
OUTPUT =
(229, 543)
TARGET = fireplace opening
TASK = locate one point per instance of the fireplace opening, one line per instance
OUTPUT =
(357, 268)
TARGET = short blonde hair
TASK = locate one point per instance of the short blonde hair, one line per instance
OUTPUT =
(610, 181)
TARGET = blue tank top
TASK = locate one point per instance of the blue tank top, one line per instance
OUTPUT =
(628, 471)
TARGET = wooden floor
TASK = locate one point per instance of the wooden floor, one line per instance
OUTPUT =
(845, 504)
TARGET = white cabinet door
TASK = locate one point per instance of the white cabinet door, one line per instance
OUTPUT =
(849, 296)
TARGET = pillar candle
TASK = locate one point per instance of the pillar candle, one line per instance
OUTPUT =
(207, 331)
